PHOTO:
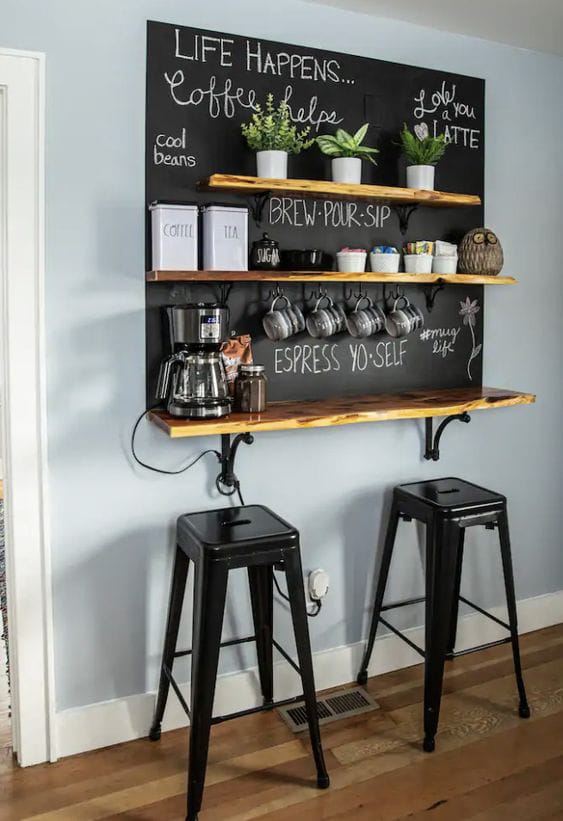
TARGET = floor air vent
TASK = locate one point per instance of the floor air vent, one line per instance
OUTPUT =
(342, 704)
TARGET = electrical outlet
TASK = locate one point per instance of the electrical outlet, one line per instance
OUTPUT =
(318, 584)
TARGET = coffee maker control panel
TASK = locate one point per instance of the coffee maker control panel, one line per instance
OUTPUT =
(210, 328)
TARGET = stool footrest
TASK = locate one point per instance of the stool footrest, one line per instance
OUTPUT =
(404, 603)
(229, 643)
(286, 656)
(484, 612)
(177, 690)
(271, 705)
(398, 633)
(454, 654)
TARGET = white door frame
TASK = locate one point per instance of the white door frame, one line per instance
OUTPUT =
(22, 375)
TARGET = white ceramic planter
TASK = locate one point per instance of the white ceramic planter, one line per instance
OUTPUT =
(347, 170)
(444, 265)
(351, 261)
(418, 263)
(420, 176)
(384, 263)
(271, 164)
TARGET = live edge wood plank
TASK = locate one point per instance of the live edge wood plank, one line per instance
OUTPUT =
(346, 411)
(325, 188)
(324, 276)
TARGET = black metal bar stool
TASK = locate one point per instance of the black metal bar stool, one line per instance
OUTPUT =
(217, 541)
(447, 507)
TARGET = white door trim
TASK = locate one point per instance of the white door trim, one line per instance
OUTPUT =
(22, 363)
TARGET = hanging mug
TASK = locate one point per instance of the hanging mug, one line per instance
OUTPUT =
(323, 322)
(281, 323)
(365, 321)
(400, 321)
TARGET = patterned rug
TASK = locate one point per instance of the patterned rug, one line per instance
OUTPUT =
(3, 599)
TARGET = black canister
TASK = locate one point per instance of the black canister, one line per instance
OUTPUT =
(265, 254)
(250, 389)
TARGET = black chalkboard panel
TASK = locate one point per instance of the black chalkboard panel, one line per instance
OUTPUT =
(201, 86)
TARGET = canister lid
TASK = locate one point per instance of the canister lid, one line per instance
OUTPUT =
(216, 206)
(177, 204)
(252, 369)
(265, 241)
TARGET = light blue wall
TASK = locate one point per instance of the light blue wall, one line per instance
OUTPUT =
(112, 523)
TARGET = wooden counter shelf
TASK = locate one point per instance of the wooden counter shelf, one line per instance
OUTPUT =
(325, 276)
(346, 411)
(323, 189)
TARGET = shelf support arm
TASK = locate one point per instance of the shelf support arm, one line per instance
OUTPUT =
(432, 451)
(404, 213)
(259, 203)
(227, 482)
(431, 292)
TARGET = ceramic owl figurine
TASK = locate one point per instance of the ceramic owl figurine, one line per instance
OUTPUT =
(480, 252)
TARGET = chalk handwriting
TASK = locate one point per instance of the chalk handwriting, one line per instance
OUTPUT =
(443, 340)
(306, 213)
(170, 149)
(443, 103)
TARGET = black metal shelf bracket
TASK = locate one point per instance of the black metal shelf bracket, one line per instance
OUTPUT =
(227, 482)
(404, 213)
(432, 452)
(431, 292)
(225, 291)
(259, 202)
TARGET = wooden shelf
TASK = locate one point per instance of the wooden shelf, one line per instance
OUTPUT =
(346, 411)
(325, 189)
(324, 276)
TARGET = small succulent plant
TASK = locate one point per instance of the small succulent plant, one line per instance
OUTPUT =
(271, 129)
(419, 147)
(343, 144)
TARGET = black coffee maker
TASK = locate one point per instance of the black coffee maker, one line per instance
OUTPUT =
(192, 380)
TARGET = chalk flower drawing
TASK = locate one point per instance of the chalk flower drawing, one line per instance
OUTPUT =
(469, 310)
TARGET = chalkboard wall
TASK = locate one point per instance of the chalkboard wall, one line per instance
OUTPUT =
(201, 85)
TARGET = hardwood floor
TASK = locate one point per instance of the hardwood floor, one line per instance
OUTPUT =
(488, 765)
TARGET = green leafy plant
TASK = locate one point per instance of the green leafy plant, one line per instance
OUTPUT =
(420, 148)
(271, 129)
(343, 144)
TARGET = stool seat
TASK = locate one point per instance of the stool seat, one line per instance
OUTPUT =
(235, 529)
(450, 497)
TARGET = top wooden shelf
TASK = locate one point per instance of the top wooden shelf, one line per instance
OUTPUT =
(325, 188)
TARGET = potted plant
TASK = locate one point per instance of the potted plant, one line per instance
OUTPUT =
(347, 153)
(273, 136)
(422, 153)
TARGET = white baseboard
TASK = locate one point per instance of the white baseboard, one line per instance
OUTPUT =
(112, 722)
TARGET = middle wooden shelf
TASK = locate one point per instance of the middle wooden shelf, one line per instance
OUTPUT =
(326, 276)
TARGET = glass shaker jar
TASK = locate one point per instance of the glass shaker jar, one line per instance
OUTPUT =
(250, 389)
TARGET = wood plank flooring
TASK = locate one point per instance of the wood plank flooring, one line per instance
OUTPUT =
(489, 764)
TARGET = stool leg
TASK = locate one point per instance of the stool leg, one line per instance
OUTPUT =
(260, 580)
(294, 579)
(457, 587)
(177, 591)
(210, 592)
(506, 554)
(440, 573)
(380, 591)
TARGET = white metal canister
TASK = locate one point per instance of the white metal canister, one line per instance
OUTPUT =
(225, 238)
(174, 237)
